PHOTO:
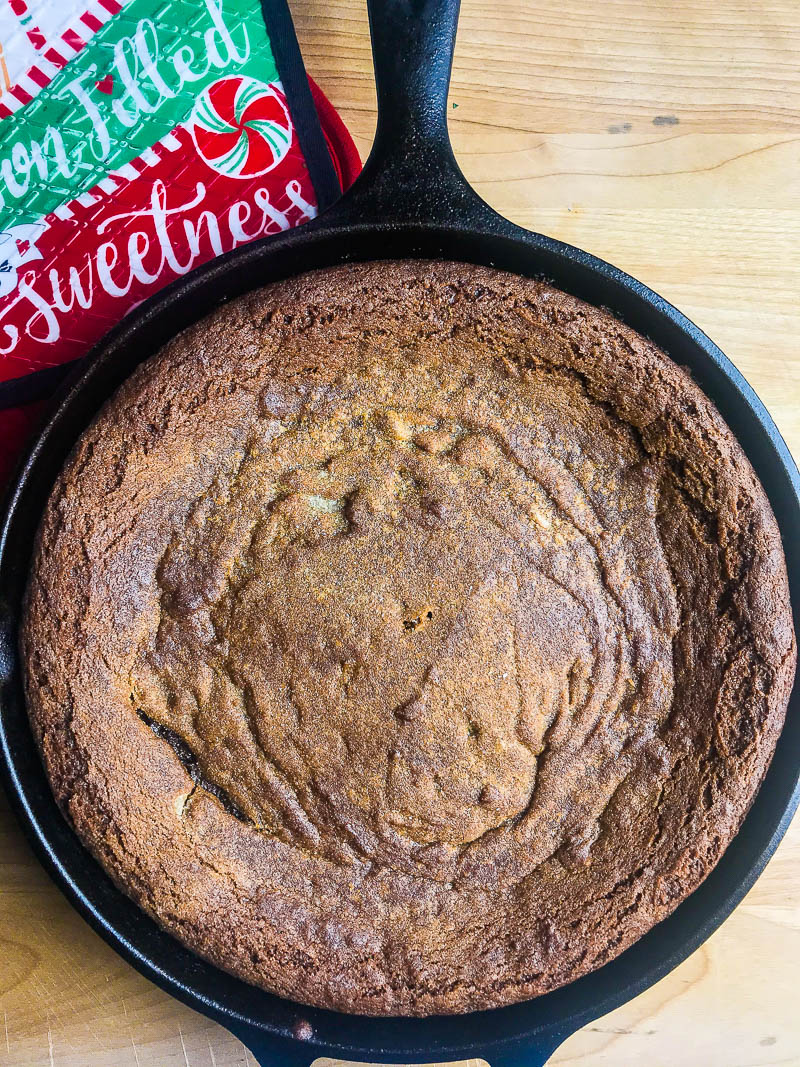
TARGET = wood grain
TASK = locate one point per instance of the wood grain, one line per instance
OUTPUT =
(666, 138)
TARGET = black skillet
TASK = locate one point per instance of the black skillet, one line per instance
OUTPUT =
(411, 200)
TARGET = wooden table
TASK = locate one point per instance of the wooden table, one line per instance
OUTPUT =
(662, 135)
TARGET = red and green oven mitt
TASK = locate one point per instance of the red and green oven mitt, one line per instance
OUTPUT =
(139, 139)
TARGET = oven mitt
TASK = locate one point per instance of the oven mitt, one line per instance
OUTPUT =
(138, 140)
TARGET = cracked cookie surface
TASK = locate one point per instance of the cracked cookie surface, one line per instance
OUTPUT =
(408, 638)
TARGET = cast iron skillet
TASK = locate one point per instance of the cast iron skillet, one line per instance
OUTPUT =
(411, 200)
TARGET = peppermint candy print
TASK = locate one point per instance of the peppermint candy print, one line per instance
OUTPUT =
(241, 126)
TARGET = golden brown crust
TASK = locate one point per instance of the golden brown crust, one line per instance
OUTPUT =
(408, 637)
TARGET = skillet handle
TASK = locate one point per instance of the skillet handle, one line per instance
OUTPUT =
(411, 175)
(270, 1051)
(412, 49)
(534, 1055)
